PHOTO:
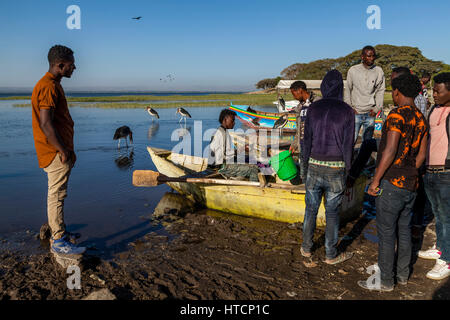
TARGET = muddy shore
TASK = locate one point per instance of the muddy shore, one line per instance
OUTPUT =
(211, 255)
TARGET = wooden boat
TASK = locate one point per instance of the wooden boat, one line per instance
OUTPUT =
(262, 120)
(285, 203)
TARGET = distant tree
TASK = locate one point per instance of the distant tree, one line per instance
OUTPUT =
(268, 83)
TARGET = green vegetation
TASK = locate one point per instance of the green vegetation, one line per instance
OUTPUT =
(243, 99)
(388, 57)
(216, 100)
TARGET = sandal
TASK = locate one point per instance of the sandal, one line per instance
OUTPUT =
(344, 256)
(304, 253)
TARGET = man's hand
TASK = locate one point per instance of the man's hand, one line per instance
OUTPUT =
(372, 113)
(291, 149)
(64, 155)
(373, 188)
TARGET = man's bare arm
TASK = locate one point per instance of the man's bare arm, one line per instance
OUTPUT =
(393, 138)
(46, 124)
(422, 152)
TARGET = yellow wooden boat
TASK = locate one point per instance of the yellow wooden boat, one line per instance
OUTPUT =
(283, 203)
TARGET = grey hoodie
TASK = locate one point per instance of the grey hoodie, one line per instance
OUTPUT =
(365, 88)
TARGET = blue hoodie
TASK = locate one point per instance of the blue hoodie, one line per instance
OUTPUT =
(330, 124)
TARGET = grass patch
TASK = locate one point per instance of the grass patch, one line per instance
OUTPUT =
(175, 101)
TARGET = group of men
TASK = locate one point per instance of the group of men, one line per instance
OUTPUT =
(415, 139)
(327, 129)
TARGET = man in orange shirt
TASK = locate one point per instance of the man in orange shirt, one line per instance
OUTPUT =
(53, 139)
(402, 151)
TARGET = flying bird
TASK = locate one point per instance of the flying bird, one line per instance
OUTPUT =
(137, 18)
(184, 114)
(281, 122)
(122, 133)
(153, 113)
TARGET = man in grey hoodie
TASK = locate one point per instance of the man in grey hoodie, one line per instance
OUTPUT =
(365, 91)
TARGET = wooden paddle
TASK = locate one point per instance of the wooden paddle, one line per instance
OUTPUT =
(149, 178)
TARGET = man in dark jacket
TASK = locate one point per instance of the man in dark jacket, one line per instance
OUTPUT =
(328, 148)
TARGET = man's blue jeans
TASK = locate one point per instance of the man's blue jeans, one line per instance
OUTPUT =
(437, 187)
(394, 211)
(330, 183)
(368, 124)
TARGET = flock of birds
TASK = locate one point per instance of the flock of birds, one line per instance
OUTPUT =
(125, 132)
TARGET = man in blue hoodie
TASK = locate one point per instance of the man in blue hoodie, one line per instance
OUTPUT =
(328, 147)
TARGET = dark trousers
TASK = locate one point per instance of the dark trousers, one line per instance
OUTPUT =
(394, 211)
(330, 183)
(367, 147)
(437, 186)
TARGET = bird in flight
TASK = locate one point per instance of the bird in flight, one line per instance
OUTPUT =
(137, 18)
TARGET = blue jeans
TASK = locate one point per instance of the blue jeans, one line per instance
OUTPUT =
(329, 182)
(437, 187)
(394, 210)
(368, 124)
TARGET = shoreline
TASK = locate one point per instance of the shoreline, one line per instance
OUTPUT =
(212, 255)
(172, 101)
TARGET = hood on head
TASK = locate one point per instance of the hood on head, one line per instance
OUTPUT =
(332, 85)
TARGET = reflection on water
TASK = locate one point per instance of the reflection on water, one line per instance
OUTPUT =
(102, 204)
(152, 130)
(125, 161)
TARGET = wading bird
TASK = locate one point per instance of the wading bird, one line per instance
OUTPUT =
(281, 122)
(153, 113)
(122, 133)
(184, 114)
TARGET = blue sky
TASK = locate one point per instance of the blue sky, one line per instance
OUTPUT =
(206, 45)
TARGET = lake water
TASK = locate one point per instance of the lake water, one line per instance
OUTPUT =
(102, 204)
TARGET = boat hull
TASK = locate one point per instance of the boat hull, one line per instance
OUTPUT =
(267, 203)
(265, 120)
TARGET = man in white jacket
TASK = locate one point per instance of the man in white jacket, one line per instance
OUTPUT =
(222, 154)
(365, 91)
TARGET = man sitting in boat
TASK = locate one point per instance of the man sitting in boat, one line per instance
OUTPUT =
(305, 98)
(222, 154)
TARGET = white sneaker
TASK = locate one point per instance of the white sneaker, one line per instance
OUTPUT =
(431, 254)
(440, 271)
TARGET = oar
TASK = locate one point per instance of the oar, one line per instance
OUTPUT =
(149, 178)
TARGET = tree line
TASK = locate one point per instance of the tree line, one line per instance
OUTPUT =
(388, 58)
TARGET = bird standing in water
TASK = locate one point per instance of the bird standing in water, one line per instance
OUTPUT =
(153, 113)
(184, 114)
(122, 133)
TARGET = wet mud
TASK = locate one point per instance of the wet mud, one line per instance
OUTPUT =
(211, 255)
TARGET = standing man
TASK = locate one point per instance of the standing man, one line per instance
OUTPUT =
(305, 98)
(53, 139)
(437, 177)
(401, 153)
(365, 91)
(426, 77)
(328, 148)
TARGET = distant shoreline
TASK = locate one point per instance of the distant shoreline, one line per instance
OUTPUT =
(171, 101)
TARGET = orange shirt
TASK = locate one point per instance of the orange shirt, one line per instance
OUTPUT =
(412, 126)
(48, 94)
